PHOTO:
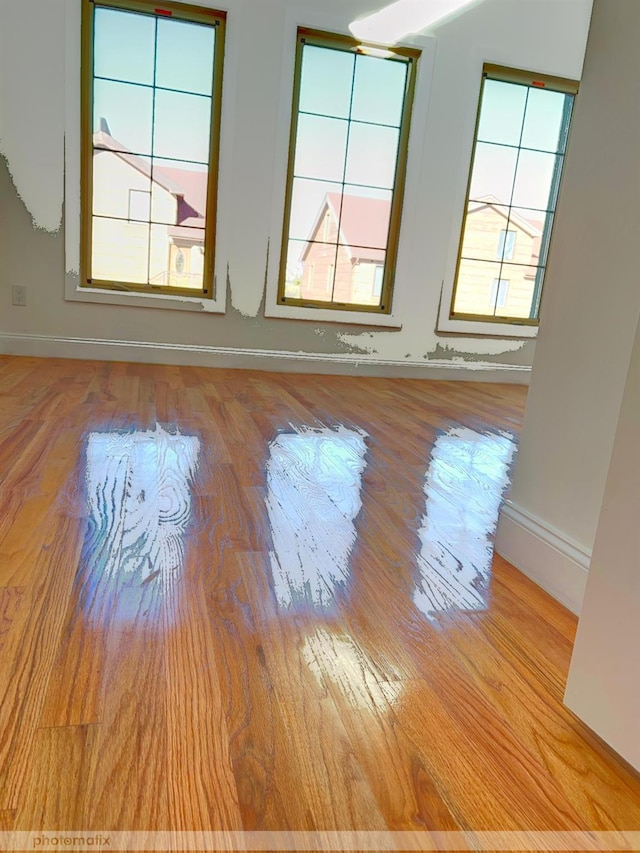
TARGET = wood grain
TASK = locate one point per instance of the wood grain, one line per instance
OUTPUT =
(302, 630)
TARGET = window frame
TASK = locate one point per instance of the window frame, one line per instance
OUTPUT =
(480, 324)
(337, 41)
(176, 11)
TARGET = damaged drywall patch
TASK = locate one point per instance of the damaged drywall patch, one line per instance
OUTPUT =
(248, 301)
(522, 355)
(419, 341)
(32, 108)
(294, 336)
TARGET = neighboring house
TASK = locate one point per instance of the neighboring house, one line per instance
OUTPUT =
(126, 197)
(364, 223)
(358, 263)
(492, 233)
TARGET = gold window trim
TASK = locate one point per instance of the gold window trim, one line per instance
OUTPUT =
(525, 78)
(320, 38)
(182, 12)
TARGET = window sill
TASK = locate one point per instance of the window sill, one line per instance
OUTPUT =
(330, 315)
(171, 302)
(480, 328)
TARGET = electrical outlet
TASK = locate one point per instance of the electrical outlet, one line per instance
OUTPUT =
(19, 295)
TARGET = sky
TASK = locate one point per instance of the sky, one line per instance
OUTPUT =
(515, 115)
(124, 52)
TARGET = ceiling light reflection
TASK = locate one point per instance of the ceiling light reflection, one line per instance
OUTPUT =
(403, 18)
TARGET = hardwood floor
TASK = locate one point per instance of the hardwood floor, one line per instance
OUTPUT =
(234, 600)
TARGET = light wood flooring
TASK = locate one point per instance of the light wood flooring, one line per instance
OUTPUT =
(241, 600)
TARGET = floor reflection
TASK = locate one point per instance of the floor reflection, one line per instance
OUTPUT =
(338, 659)
(139, 496)
(467, 476)
(313, 498)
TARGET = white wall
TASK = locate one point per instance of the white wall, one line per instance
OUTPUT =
(589, 316)
(603, 687)
(541, 35)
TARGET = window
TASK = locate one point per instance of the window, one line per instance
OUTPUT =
(499, 291)
(152, 84)
(327, 227)
(378, 275)
(521, 137)
(506, 245)
(347, 158)
(330, 274)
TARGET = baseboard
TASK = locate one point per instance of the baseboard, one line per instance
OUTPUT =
(46, 346)
(553, 561)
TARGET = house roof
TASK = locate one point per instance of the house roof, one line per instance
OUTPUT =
(365, 221)
(194, 190)
(364, 224)
(188, 185)
(533, 227)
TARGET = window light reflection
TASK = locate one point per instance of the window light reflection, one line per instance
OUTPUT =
(467, 476)
(139, 497)
(313, 498)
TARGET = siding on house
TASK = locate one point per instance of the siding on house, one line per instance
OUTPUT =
(480, 265)
(354, 266)
(130, 251)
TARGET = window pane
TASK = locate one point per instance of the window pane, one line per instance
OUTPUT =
(179, 194)
(120, 251)
(124, 44)
(356, 275)
(502, 112)
(494, 169)
(364, 220)
(534, 179)
(181, 129)
(185, 56)
(308, 268)
(152, 105)
(475, 287)
(345, 160)
(176, 258)
(125, 112)
(544, 120)
(522, 281)
(378, 93)
(371, 158)
(114, 177)
(518, 185)
(326, 81)
(321, 145)
(315, 210)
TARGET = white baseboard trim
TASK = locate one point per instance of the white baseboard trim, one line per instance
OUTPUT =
(49, 346)
(553, 561)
